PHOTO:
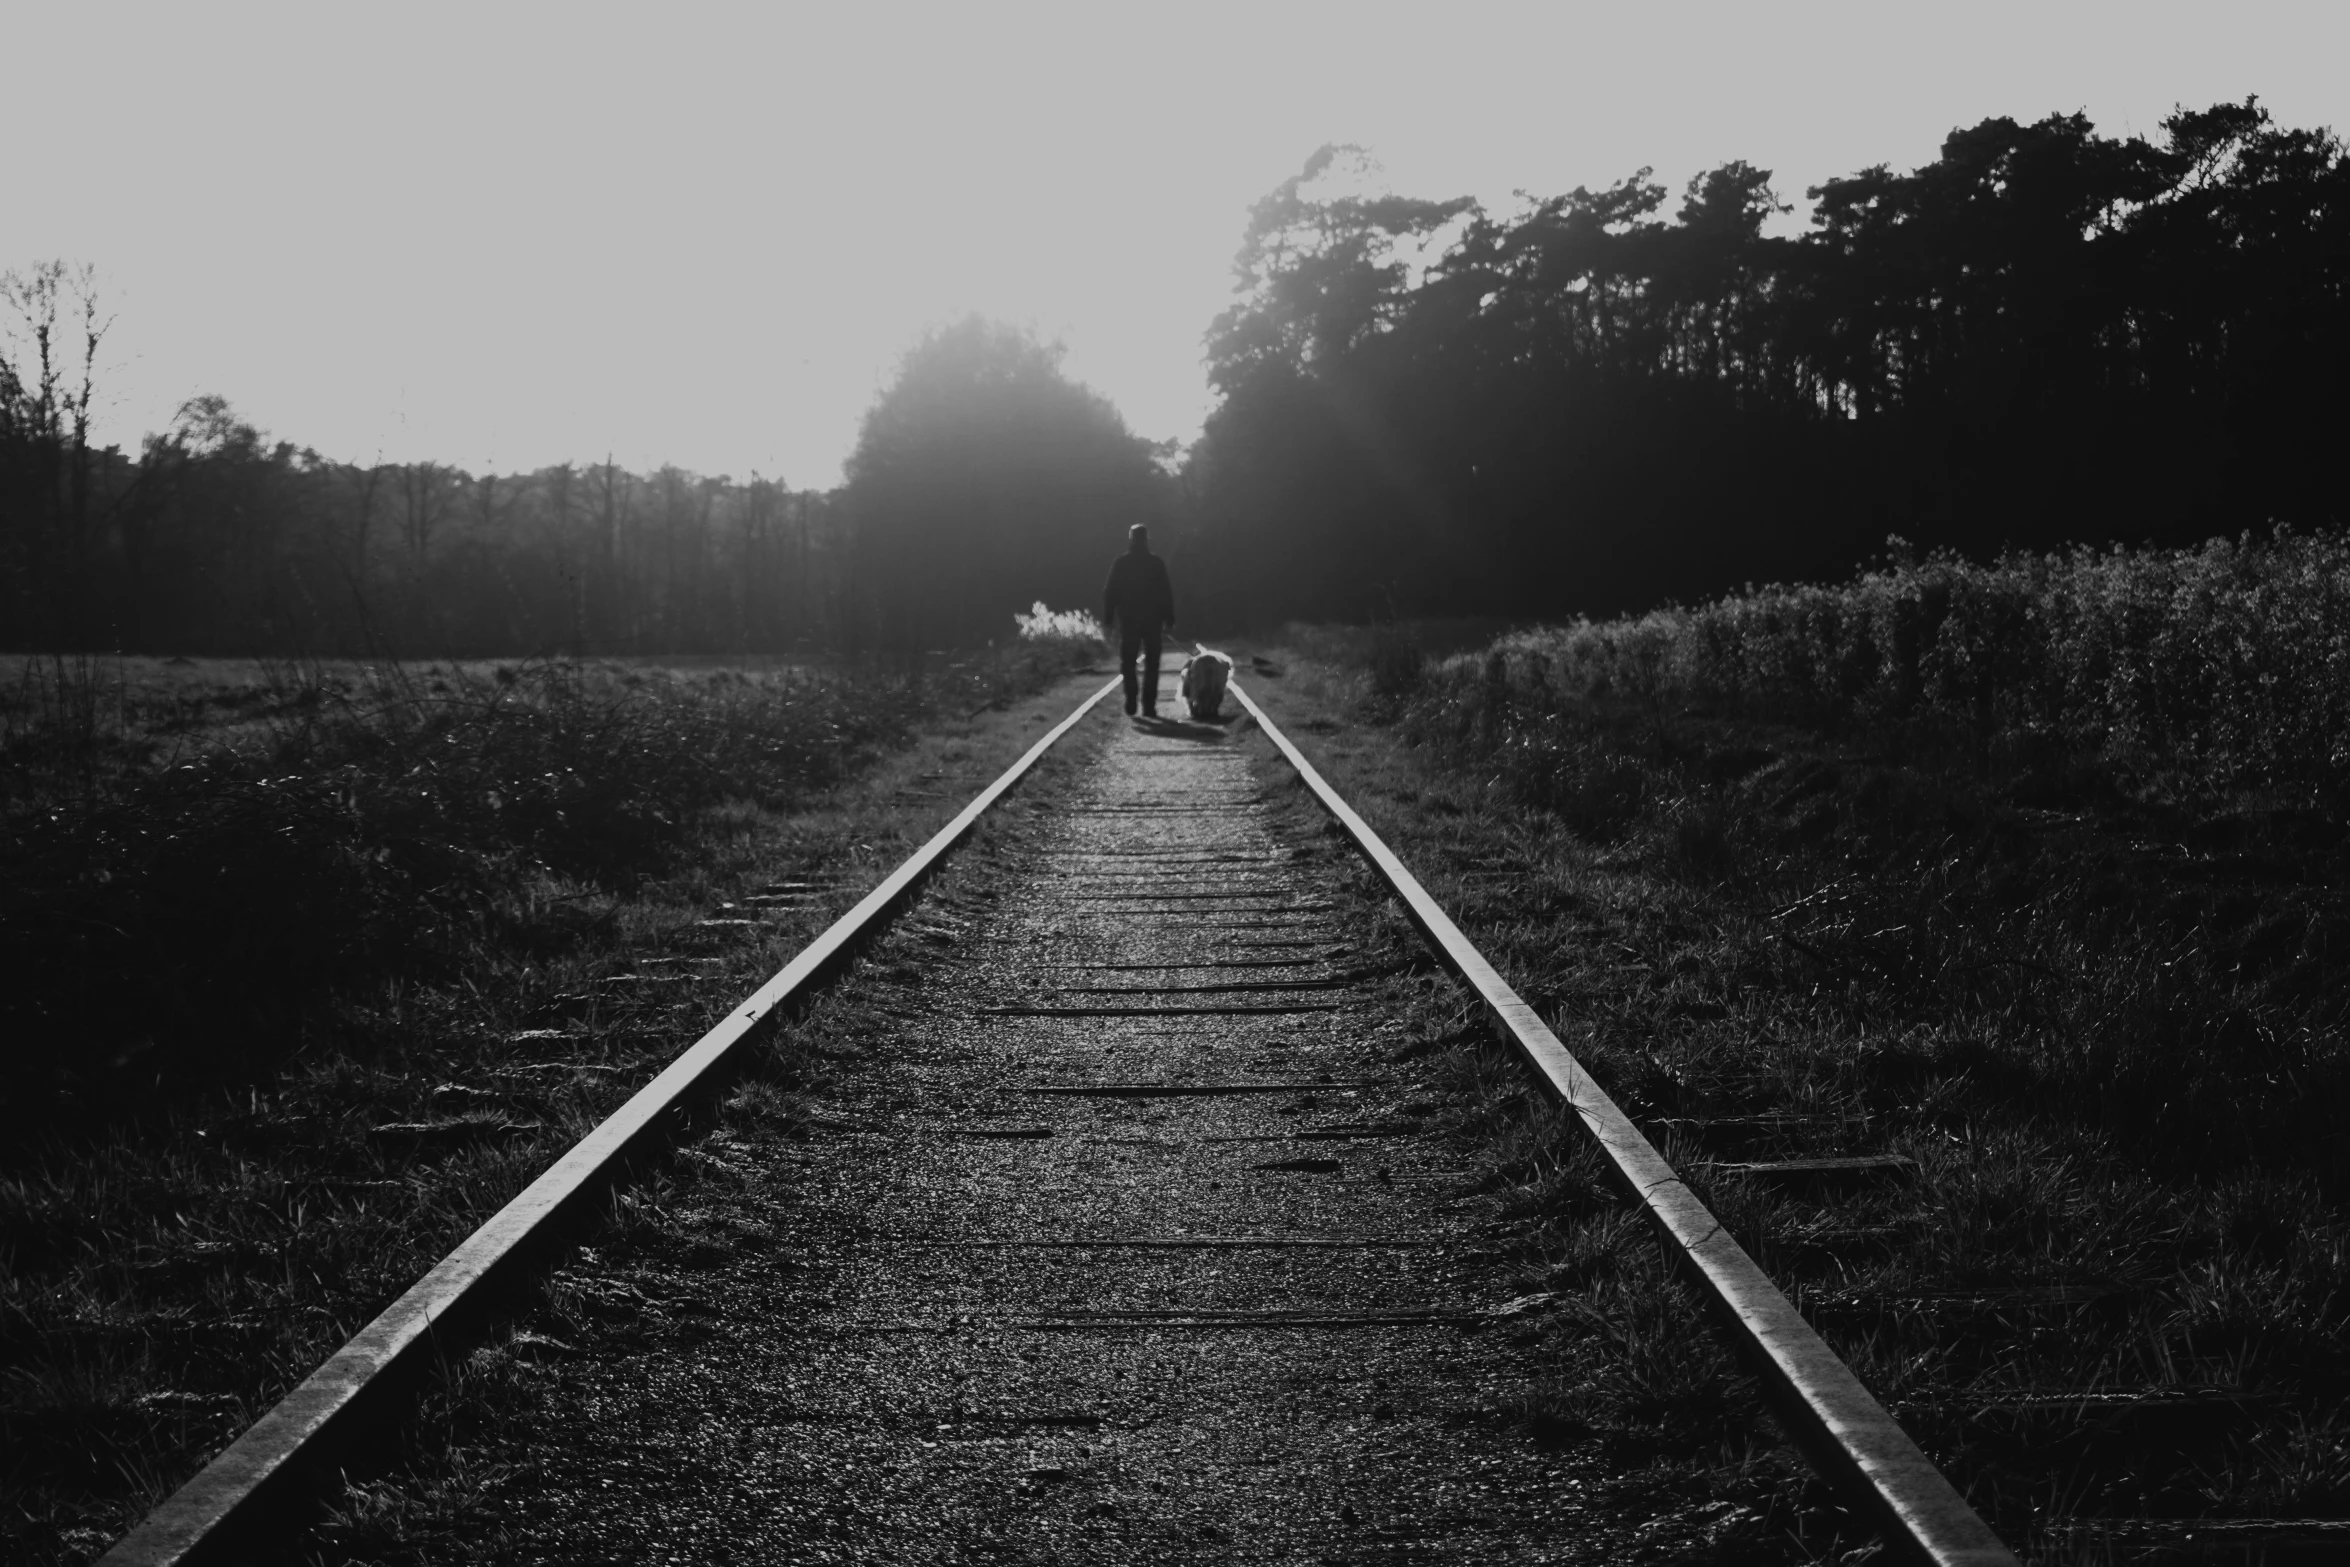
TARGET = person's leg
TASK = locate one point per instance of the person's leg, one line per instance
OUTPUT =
(1130, 643)
(1150, 673)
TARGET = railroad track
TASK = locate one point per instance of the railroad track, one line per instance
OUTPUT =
(1129, 1192)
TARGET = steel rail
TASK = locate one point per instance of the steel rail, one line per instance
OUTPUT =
(1849, 1437)
(258, 1480)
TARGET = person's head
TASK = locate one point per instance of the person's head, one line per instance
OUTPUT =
(1138, 540)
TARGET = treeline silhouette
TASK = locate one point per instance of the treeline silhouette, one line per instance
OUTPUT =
(215, 539)
(2045, 336)
(983, 480)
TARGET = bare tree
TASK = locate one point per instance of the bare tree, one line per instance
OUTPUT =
(365, 480)
(557, 482)
(615, 617)
(427, 492)
(49, 418)
(488, 512)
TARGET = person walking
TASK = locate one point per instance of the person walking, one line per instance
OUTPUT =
(1140, 602)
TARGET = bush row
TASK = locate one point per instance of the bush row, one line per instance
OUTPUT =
(2227, 665)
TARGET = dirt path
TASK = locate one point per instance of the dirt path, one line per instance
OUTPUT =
(1126, 1241)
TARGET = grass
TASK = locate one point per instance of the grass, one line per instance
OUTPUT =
(193, 866)
(313, 968)
(2067, 946)
(2198, 673)
(2049, 912)
(438, 1500)
(1638, 1374)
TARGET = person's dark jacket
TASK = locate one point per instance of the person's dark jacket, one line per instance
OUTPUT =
(1139, 595)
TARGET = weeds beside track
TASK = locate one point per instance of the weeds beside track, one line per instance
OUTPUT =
(1845, 1431)
(240, 1124)
(2076, 984)
(192, 867)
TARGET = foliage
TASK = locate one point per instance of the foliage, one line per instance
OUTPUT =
(217, 539)
(48, 471)
(188, 875)
(2220, 668)
(1785, 901)
(982, 474)
(175, 1261)
(2114, 780)
(2044, 336)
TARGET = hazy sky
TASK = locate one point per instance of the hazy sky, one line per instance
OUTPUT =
(510, 235)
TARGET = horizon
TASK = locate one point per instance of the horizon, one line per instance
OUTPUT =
(706, 239)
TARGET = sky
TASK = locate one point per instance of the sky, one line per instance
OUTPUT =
(511, 235)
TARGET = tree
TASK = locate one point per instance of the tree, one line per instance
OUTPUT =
(47, 466)
(428, 492)
(365, 479)
(1319, 269)
(2044, 335)
(983, 480)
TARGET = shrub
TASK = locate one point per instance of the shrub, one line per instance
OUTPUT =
(2225, 667)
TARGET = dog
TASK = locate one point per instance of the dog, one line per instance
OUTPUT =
(1205, 675)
